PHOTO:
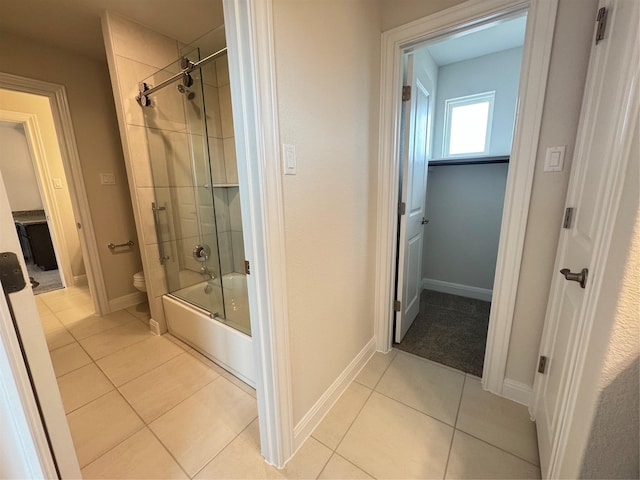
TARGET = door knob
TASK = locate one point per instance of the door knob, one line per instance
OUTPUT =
(424, 221)
(581, 277)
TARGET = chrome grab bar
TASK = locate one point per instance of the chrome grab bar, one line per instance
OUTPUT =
(156, 221)
(113, 246)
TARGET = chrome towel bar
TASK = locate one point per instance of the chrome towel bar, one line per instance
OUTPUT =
(112, 246)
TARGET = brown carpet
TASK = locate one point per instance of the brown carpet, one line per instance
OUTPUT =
(450, 330)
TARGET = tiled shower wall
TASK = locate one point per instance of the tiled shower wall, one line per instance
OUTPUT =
(134, 53)
(217, 96)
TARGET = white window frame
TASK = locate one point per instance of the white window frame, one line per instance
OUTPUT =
(450, 104)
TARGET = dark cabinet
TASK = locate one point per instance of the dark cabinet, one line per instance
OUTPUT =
(36, 244)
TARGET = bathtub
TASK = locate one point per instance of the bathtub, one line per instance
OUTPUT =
(193, 315)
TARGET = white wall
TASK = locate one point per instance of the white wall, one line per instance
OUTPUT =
(464, 203)
(497, 71)
(569, 58)
(327, 68)
(464, 208)
(92, 113)
(17, 169)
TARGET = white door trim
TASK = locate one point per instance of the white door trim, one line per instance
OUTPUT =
(249, 30)
(533, 82)
(28, 372)
(29, 122)
(73, 170)
(18, 401)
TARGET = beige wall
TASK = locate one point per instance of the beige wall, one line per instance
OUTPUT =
(399, 12)
(327, 68)
(17, 168)
(39, 106)
(92, 113)
(134, 53)
(569, 58)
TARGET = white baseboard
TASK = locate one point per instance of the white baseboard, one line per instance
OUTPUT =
(457, 289)
(516, 391)
(126, 301)
(314, 416)
(80, 280)
(154, 327)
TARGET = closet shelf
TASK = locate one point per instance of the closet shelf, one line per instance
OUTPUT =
(469, 161)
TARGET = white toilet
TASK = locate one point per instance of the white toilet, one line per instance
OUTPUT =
(138, 281)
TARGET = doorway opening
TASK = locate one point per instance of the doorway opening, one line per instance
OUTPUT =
(536, 55)
(38, 192)
(455, 159)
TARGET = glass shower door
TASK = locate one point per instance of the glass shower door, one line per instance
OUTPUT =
(184, 211)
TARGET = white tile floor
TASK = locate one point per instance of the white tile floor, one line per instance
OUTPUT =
(141, 406)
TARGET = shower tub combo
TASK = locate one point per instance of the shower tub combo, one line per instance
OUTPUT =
(196, 211)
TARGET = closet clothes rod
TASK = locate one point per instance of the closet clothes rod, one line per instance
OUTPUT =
(470, 161)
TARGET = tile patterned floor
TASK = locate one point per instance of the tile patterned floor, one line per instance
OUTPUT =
(142, 406)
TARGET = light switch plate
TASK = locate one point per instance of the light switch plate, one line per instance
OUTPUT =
(554, 159)
(107, 179)
(289, 161)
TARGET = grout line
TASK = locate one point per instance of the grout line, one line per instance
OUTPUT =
(146, 425)
(415, 409)
(446, 466)
(371, 390)
(87, 403)
(385, 370)
(111, 448)
(433, 362)
(499, 448)
(325, 464)
(117, 390)
(357, 466)
(137, 376)
(179, 403)
(226, 446)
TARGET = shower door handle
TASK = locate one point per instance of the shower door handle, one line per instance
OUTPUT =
(156, 222)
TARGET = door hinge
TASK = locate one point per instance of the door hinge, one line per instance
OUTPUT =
(397, 306)
(542, 364)
(247, 267)
(402, 208)
(568, 217)
(406, 93)
(602, 24)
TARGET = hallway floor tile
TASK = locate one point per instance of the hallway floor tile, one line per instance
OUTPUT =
(151, 407)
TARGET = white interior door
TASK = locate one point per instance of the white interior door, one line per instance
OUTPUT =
(31, 361)
(414, 190)
(595, 165)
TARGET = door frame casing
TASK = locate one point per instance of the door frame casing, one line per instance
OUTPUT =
(533, 82)
(31, 127)
(250, 43)
(75, 181)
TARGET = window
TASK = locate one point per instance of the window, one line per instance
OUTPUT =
(467, 125)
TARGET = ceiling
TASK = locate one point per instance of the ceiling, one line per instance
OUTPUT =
(75, 24)
(487, 39)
